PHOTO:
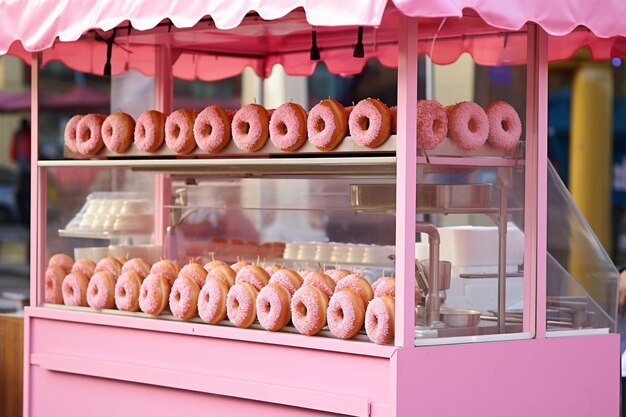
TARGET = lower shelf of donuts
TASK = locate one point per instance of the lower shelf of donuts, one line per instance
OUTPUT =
(482, 329)
(167, 315)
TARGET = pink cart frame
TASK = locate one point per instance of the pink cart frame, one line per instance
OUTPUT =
(79, 364)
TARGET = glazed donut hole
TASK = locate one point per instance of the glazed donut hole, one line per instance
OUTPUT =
(122, 292)
(94, 291)
(505, 125)
(109, 130)
(264, 307)
(364, 122)
(176, 131)
(320, 125)
(86, 135)
(472, 125)
(144, 292)
(301, 309)
(438, 124)
(244, 127)
(142, 130)
(70, 291)
(49, 284)
(339, 313)
(282, 128)
(206, 130)
(176, 295)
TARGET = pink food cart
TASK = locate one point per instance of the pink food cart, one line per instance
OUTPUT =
(521, 319)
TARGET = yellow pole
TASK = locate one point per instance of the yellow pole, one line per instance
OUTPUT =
(591, 148)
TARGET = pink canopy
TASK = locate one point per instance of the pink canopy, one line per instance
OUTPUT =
(228, 36)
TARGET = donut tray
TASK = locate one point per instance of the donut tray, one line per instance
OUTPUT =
(167, 315)
(346, 147)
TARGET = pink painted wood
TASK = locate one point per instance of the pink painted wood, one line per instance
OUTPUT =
(220, 332)
(530, 186)
(37, 241)
(303, 378)
(405, 188)
(541, 243)
(574, 377)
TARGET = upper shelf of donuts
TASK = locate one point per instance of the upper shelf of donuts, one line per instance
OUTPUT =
(255, 131)
(229, 34)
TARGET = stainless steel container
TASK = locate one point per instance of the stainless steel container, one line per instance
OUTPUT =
(456, 317)
(445, 271)
(431, 198)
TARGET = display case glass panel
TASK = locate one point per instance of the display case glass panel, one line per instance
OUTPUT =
(471, 188)
(581, 279)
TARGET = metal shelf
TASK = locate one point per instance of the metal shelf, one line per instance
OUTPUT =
(264, 166)
(105, 235)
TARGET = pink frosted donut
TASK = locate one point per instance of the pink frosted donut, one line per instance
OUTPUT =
(384, 286)
(379, 320)
(337, 274)
(288, 127)
(184, 297)
(272, 307)
(212, 301)
(358, 284)
(287, 278)
(85, 266)
(150, 131)
(101, 290)
(254, 275)
(212, 129)
(369, 122)
(70, 132)
(348, 111)
(127, 290)
(75, 289)
(308, 310)
(54, 284)
(432, 124)
(62, 261)
(117, 132)
(138, 265)
(346, 314)
(169, 269)
(224, 273)
(111, 265)
(327, 124)
(468, 125)
(240, 304)
(214, 264)
(322, 281)
(238, 265)
(194, 271)
(393, 115)
(250, 127)
(89, 134)
(179, 131)
(272, 268)
(305, 274)
(505, 126)
(154, 294)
